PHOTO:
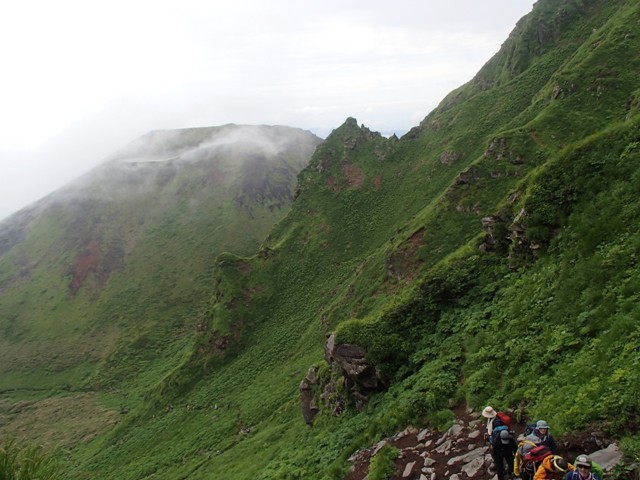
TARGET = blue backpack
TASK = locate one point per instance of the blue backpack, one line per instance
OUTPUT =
(495, 434)
(529, 428)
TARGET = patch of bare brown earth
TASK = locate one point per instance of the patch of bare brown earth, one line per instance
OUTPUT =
(353, 174)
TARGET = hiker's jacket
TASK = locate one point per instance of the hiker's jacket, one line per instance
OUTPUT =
(506, 450)
(493, 423)
(547, 440)
(545, 470)
(575, 475)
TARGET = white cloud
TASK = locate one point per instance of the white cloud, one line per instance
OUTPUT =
(81, 78)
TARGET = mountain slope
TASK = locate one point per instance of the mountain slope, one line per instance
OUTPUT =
(104, 279)
(489, 255)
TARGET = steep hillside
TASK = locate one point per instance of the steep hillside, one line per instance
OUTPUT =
(489, 255)
(102, 282)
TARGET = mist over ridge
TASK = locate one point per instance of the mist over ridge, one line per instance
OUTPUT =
(191, 144)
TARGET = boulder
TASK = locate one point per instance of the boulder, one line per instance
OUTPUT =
(378, 446)
(307, 404)
(429, 462)
(474, 467)
(608, 457)
(423, 435)
(355, 368)
(408, 470)
(469, 456)
(455, 430)
(445, 448)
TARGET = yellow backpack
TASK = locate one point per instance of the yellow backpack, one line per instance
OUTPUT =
(519, 458)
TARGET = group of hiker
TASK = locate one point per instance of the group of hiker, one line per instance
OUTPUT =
(534, 454)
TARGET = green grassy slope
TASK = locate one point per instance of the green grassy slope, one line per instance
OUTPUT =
(103, 282)
(488, 255)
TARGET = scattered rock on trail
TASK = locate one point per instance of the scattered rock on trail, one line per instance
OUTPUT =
(461, 453)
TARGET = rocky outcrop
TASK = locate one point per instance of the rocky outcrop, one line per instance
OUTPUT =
(608, 457)
(506, 234)
(448, 158)
(489, 224)
(307, 402)
(361, 377)
(499, 149)
(349, 378)
(404, 263)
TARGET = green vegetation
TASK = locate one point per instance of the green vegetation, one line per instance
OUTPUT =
(488, 256)
(27, 463)
(97, 293)
(382, 464)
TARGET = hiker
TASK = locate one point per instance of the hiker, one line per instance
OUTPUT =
(554, 467)
(494, 420)
(532, 461)
(583, 471)
(542, 432)
(525, 445)
(504, 449)
(490, 414)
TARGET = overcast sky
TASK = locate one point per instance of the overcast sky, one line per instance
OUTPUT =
(80, 79)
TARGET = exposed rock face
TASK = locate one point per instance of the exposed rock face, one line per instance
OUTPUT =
(508, 235)
(351, 379)
(449, 158)
(608, 457)
(307, 403)
(489, 223)
(404, 264)
(361, 377)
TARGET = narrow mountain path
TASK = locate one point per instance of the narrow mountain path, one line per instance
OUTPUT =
(461, 452)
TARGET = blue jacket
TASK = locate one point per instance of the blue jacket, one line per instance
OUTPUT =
(575, 475)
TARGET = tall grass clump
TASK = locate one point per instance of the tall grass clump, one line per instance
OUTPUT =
(27, 463)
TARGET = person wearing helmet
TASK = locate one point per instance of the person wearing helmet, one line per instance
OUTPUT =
(583, 471)
(542, 432)
(554, 467)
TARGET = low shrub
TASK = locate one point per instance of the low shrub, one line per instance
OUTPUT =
(382, 465)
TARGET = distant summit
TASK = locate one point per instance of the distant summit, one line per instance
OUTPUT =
(193, 143)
